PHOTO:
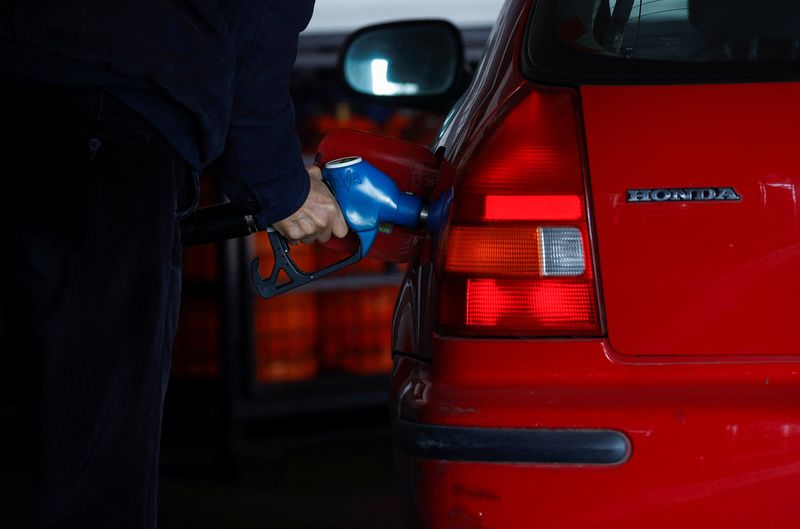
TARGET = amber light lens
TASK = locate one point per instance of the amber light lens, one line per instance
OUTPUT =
(495, 251)
(517, 258)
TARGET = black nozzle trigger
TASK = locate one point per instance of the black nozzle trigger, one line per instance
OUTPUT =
(270, 287)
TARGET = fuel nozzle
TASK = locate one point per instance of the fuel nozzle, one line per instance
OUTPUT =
(368, 198)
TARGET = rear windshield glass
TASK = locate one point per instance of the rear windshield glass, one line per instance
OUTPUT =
(659, 37)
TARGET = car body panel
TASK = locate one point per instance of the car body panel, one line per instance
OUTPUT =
(711, 445)
(495, 80)
(698, 278)
(456, 495)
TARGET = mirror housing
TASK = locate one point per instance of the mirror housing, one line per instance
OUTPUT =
(417, 63)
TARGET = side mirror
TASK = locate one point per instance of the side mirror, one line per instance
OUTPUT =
(412, 62)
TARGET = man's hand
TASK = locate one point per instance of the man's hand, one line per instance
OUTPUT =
(317, 218)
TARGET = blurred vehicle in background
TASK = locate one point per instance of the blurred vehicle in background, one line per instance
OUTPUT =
(604, 332)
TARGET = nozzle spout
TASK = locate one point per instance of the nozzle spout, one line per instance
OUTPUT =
(435, 214)
(409, 210)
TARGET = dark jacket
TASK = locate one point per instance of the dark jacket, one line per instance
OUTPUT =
(211, 75)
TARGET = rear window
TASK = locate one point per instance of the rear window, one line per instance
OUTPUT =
(610, 40)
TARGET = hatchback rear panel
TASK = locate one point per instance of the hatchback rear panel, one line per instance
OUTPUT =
(682, 275)
(690, 115)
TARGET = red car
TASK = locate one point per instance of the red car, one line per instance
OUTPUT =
(605, 331)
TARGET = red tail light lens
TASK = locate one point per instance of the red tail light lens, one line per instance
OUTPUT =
(532, 207)
(517, 305)
(517, 257)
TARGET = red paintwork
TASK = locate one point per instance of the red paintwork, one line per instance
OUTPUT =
(496, 79)
(713, 445)
(695, 278)
(715, 439)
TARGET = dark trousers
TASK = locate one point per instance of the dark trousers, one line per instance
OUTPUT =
(90, 280)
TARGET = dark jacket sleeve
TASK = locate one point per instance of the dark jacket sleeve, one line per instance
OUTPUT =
(262, 150)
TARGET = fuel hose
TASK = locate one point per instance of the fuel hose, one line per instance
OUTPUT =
(217, 223)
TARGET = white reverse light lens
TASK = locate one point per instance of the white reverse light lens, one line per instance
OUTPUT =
(561, 252)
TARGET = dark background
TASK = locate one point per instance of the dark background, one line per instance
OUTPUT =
(277, 411)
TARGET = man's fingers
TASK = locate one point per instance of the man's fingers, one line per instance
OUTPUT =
(318, 218)
(325, 235)
(339, 227)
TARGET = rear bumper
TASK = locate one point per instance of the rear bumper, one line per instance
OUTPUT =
(484, 438)
(511, 445)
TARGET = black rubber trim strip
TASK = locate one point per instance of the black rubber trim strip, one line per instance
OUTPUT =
(511, 445)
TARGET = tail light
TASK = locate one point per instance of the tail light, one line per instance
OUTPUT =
(517, 257)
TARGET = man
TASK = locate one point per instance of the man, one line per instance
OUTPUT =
(111, 108)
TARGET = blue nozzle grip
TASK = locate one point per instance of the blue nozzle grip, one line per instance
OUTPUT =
(369, 198)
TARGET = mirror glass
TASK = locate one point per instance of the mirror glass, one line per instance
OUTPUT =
(406, 60)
